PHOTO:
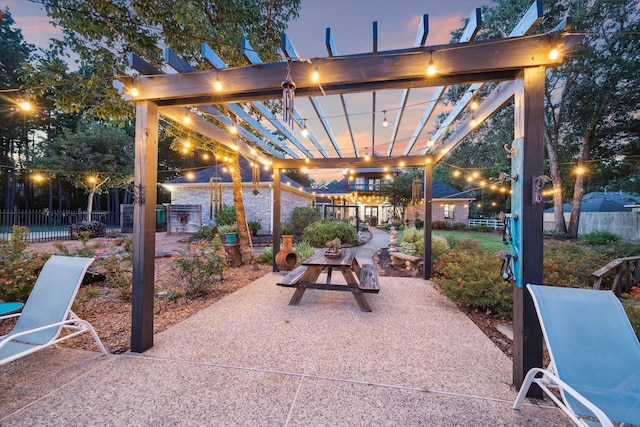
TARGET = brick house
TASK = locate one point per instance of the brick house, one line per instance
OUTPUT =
(200, 188)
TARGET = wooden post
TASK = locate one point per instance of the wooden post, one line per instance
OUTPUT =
(276, 217)
(144, 225)
(428, 213)
(527, 164)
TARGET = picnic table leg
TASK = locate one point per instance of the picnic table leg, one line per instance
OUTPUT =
(297, 295)
(360, 299)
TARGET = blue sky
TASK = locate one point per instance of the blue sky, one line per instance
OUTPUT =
(351, 24)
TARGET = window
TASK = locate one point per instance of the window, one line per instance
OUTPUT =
(448, 211)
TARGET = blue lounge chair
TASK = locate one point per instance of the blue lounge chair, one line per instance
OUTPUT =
(595, 356)
(48, 310)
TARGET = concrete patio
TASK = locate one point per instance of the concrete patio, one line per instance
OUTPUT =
(251, 359)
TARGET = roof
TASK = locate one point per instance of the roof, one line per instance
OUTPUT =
(603, 202)
(439, 190)
(203, 176)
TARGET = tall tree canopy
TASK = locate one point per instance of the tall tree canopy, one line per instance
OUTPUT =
(102, 33)
(592, 101)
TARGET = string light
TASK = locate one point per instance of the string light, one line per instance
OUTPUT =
(305, 131)
(134, 91)
(25, 106)
(315, 76)
(474, 122)
(431, 69)
(385, 122)
(217, 85)
(554, 54)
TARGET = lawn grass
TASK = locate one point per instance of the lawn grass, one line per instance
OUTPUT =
(490, 241)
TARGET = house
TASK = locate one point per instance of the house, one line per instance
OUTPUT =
(211, 187)
(604, 211)
(361, 193)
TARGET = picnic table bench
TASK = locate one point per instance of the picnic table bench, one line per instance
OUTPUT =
(358, 279)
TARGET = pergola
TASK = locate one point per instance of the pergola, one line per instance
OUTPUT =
(518, 62)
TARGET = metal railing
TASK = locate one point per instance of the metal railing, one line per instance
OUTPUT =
(47, 225)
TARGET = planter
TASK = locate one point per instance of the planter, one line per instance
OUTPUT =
(254, 232)
(231, 238)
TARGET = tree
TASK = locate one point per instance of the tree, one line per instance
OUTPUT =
(91, 157)
(13, 52)
(104, 32)
(591, 98)
(399, 191)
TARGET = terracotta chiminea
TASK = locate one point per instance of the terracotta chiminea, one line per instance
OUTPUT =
(287, 259)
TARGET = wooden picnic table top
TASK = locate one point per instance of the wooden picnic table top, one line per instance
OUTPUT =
(319, 260)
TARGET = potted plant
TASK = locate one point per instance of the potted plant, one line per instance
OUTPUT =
(230, 233)
(255, 225)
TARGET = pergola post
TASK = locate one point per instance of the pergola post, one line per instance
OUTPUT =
(526, 224)
(276, 216)
(144, 225)
(428, 212)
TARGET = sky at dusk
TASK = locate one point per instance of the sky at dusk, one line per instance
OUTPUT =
(351, 23)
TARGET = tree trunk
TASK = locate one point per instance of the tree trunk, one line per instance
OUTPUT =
(243, 232)
(90, 204)
(556, 179)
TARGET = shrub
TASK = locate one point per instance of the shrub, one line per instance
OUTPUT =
(266, 257)
(19, 269)
(469, 277)
(286, 229)
(599, 238)
(631, 303)
(202, 261)
(451, 240)
(419, 224)
(204, 233)
(320, 232)
(226, 216)
(438, 225)
(413, 242)
(439, 247)
(459, 225)
(174, 295)
(304, 250)
(481, 228)
(302, 217)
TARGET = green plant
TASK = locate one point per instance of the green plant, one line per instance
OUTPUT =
(88, 293)
(266, 257)
(320, 232)
(468, 276)
(439, 247)
(599, 238)
(255, 224)
(304, 250)
(174, 295)
(200, 264)
(204, 233)
(226, 216)
(19, 269)
(481, 228)
(228, 229)
(302, 217)
(459, 225)
(286, 229)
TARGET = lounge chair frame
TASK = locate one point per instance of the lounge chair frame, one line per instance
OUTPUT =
(62, 275)
(604, 307)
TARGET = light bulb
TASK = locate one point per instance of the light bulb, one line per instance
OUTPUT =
(385, 122)
(554, 54)
(217, 85)
(474, 105)
(474, 122)
(315, 76)
(431, 69)
(305, 131)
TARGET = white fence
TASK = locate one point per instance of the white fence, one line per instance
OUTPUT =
(491, 222)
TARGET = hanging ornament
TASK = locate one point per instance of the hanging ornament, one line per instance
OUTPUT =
(288, 95)
(256, 177)
(415, 191)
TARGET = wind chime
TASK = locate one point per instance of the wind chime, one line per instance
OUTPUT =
(288, 95)
(255, 177)
(415, 191)
(216, 192)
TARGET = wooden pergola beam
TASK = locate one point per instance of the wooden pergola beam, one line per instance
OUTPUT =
(493, 60)
(348, 162)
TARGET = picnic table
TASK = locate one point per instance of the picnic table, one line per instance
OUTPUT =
(358, 279)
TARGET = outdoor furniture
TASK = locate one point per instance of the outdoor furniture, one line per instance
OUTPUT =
(9, 308)
(595, 355)
(400, 259)
(48, 310)
(358, 280)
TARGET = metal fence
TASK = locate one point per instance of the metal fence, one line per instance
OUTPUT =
(47, 225)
